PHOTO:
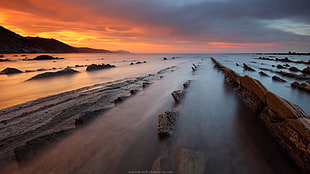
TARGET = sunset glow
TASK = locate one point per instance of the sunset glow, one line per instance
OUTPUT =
(158, 27)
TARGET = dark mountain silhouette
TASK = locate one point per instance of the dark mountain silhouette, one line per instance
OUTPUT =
(11, 42)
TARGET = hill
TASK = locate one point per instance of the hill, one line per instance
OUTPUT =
(11, 42)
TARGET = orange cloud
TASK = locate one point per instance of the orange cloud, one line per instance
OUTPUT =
(79, 25)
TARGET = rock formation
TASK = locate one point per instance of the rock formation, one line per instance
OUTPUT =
(95, 67)
(276, 78)
(306, 70)
(246, 67)
(303, 86)
(287, 122)
(11, 71)
(178, 96)
(166, 122)
(294, 69)
(66, 71)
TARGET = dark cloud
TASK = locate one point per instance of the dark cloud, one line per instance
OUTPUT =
(200, 21)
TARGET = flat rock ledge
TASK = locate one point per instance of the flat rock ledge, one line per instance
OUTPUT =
(28, 129)
(287, 122)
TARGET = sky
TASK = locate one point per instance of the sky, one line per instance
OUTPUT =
(165, 26)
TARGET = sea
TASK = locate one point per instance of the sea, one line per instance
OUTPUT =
(16, 89)
(212, 119)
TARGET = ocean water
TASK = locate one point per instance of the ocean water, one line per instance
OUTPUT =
(15, 89)
(212, 119)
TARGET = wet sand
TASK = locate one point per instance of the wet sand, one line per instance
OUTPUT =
(212, 119)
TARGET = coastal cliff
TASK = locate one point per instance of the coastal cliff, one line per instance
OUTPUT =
(11, 42)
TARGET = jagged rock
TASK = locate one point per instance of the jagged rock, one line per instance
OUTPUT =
(263, 74)
(187, 84)
(282, 107)
(294, 69)
(166, 123)
(66, 71)
(253, 86)
(303, 86)
(178, 96)
(306, 70)
(190, 161)
(95, 67)
(11, 71)
(246, 67)
(276, 78)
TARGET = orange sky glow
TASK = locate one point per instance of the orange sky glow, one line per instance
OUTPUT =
(82, 24)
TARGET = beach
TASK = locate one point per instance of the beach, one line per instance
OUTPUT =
(111, 116)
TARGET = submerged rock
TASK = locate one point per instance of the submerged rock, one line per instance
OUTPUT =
(246, 67)
(187, 84)
(95, 67)
(66, 71)
(37, 145)
(263, 74)
(166, 123)
(294, 69)
(306, 70)
(280, 67)
(276, 78)
(11, 71)
(178, 96)
(190, 161)
(303, 86)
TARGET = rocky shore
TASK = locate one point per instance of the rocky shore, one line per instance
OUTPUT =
(287, 122)
(29, 128)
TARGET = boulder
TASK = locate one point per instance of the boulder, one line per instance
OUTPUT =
(254, 86)
(95, 67)
(294, 69)
(166, 123)
(11, 71)
(306, 70)
(282, 107)
(178, 96)
(190, 161)
(276, 78)
(66, 71)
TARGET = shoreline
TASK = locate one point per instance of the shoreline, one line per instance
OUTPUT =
(39, 120)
